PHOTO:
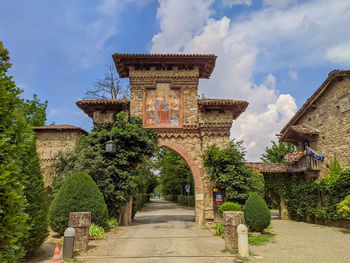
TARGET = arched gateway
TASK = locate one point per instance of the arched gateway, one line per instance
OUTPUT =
(164, 93)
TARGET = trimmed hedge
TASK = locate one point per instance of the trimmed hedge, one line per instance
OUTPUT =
(170, 197)
(138, 201)
(186, 200)
(229, 206)
(79, 193)
(256, 214)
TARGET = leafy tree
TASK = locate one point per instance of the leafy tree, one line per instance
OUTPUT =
(4, 58)
(174, 174)
(146, 180)
(276, 153)
(114, 174)
(34, 111)
(226, 167)
(13, 219)
(108, 88)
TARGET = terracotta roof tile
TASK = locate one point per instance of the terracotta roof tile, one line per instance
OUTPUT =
(268, 167)
(205, 63)
(59, 128)
(301, 129)
(332, 76)
(103, 102)
(237, 106)
(89, 106)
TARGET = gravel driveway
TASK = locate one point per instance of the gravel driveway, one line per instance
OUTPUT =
(299, 242)
(164, 232)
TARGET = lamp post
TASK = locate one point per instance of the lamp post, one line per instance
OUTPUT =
(110, 146)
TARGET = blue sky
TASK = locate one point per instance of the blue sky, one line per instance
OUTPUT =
(272, 53)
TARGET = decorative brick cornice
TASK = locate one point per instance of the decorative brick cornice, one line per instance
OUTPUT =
(236, 106)
(204, 63)
(90, 106)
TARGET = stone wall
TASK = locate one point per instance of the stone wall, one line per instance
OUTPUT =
(49, 143)
(331, 118)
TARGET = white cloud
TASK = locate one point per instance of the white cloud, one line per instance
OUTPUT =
(266, 40)
(293, 74)
(339, 54)
(231, 3)
(54, 111)
(178, 23)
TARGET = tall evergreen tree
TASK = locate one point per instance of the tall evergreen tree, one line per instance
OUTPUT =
(13, 219)
(23, 225)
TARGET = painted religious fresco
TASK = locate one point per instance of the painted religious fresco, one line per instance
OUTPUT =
(162, 106)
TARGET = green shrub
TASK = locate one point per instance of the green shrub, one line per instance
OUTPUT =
(219, 229)
(229, 206)
(79, 193)
(96, 231)
(256, 214)
(138, 201)
(186, 200)
(112, 223)
(344, 208)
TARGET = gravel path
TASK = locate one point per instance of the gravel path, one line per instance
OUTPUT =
(164, 232)
(299, 242)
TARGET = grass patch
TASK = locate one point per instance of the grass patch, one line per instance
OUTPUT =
(260, 239)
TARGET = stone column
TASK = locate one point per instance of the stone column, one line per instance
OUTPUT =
(81, 222)
(231, 221)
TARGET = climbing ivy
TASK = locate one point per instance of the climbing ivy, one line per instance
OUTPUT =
(226, 167)
(311, 200)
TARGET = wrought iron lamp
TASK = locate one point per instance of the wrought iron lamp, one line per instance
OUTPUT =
(110, 146)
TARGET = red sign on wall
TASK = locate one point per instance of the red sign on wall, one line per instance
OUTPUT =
(218, 198)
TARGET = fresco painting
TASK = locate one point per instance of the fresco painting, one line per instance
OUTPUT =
(162, 106)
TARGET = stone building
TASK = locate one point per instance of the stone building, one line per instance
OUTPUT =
(52, 139)
(323, 124)
(164, 93)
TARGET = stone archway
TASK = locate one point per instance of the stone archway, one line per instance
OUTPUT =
(164, 93)
(196, 173)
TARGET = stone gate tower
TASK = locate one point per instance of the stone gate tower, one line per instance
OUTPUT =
(164, 93)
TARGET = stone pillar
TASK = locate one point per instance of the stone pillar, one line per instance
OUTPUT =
(81, 222)
(231, 221)
(284, 210)
(127, 213)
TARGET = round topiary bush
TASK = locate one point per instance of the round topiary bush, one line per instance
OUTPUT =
(229, 206)
(256, 214)
(79, 193)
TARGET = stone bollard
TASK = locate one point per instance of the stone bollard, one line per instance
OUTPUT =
(81, 222)
(231, 221)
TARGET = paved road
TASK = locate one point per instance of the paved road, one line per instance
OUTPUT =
(299, 242)
(164, 232)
